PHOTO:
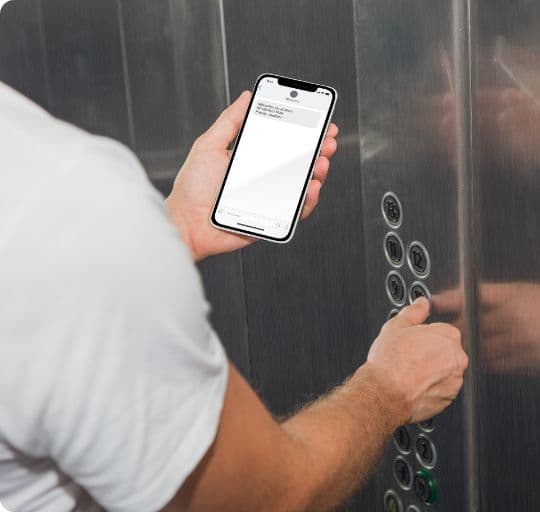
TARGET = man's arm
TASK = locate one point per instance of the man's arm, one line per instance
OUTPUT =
(317, 458)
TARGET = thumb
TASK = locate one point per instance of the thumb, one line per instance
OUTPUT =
(415, 314)
(227, 125)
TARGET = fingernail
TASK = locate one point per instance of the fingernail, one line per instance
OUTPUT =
(419, 300)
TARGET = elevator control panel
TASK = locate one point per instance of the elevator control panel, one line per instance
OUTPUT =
(414, 488)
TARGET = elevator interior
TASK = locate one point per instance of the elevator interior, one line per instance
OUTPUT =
(434, 191)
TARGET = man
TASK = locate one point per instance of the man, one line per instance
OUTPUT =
(115, 392)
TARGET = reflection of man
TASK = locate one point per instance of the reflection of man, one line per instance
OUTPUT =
(115, 392)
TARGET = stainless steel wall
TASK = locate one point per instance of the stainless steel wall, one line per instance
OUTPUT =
(506, 150)
(439, 105)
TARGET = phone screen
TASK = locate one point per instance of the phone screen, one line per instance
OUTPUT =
(271, 165)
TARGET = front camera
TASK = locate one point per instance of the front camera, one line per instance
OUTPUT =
(293, 94)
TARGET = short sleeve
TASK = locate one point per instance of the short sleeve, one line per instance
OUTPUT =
(123, 378)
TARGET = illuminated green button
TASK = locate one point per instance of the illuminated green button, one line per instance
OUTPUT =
(425, 486)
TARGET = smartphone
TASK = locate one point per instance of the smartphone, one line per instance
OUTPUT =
(272, 161)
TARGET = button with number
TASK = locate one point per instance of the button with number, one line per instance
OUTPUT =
(392, 211)
(403, 473)
(425, 451)
(394, 250)
(418, 289)
(392, 503)
(418, 259)
(425, 486)
(396, 288)
(402, 440)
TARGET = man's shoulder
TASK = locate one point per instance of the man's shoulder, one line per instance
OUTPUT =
(38, 145)
(26, 130)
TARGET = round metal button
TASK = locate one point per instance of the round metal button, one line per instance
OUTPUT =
(413, 508)
(403, 473)
(418, 259)
(396, 288)
(394, 250)
(427, 425)
(425, 451)
(392, 211)
(393, 313)
(402, 440)
(418, 289)
(392, 503)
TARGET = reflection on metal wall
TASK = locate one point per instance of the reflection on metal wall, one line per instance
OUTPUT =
(507, 163)
(450, 122)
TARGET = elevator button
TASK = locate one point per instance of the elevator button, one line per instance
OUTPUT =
(402, 440)
(425, 486)
(391, 208)
(425, 451)
(427, 425)
(396, 288)
(392, 503)
(394, 250)
(418, 289)
(413, 508)
(392, 314)
(418, 259)
(403, 473)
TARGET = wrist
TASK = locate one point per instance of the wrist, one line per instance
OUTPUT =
(179, 222)
(390, 401)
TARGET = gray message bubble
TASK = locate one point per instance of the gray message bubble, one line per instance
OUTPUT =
(289, 114)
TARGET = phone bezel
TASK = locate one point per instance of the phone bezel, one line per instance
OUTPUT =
(297, 84)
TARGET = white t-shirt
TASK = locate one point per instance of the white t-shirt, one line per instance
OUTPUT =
(111, 378)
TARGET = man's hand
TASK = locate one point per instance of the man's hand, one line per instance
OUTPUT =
(197, 185)
(419, 366)
(317, 458)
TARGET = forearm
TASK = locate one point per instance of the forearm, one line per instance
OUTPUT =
(338, 440)
(311, 462)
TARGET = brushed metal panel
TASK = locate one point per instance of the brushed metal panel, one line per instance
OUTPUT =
(409, 71)
(306, 300)
(84, 56)
(507, 120)
(22, 59)
(148, 38)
